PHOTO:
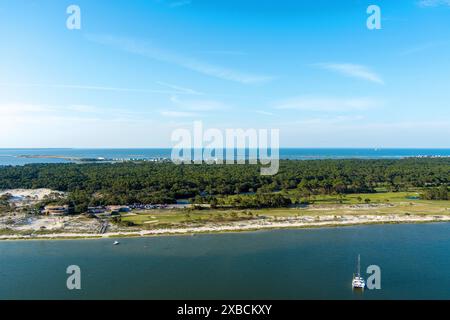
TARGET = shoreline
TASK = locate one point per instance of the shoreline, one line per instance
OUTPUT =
(238, 227)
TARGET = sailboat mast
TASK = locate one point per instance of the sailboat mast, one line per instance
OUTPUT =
(359, 265)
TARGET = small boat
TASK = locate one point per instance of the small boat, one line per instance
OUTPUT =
(116, 243)
(358, 281)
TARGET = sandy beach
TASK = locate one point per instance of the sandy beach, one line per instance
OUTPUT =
(245, 226)
(32, 194)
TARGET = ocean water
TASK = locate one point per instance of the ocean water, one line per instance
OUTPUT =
(13, 156)
(280, 264)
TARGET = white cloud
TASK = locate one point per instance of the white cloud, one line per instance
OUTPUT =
(40, 126)
(33, 126)
(180, 89)
(175, 89)
(352, 70)
(146, 50)
(225, 52)
(434, 3)
(265, 113)
(34, 112)
(178, 114)
(84, 109)
(330, 120)
(423, 47)
(328, 104)
(199, 105)
(18, 109)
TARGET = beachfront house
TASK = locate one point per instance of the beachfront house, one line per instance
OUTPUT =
(56, 210)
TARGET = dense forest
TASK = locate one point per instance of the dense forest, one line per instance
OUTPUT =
(143, 182)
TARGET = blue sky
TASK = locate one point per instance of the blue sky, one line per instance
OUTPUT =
(139, 69)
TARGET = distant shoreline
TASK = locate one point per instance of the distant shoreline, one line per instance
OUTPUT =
(87, 159)
(48, 157)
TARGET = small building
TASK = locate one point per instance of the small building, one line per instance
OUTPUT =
(96, 210)
(55, 210)
(117, 209)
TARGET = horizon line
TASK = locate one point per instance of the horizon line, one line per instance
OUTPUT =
(168, 148)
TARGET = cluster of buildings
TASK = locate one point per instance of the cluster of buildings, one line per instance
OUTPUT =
(61, 210)
(140, 206)
(136, 159)
(113, 210)
(160, 206)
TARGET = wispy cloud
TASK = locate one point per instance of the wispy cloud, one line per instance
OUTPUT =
(423, 47)
(178, 114)
(183, 108)
(33, 125)
(37, 112)
(265, 113)
(433, 3)
(175, 89)
(352, 70)
(24, 113)
(199, 105)
(17, 109)
(82, 108)
(152, 52)
(180, 89)
(328, 104)
(324, 121)
(225, 52)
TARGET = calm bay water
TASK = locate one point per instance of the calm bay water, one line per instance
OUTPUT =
(281, 264)
(12, 156)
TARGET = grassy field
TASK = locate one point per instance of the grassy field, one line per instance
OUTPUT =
(384, 203)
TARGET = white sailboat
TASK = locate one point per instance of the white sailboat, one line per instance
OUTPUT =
(358, 281)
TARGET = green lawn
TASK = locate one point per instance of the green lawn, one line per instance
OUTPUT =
(394, 203)
(158, 218)
(380, 197)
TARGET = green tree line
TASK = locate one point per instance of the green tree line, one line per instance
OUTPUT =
(144, 182)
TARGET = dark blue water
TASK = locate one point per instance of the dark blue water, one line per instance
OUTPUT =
(282, 264)
(12, 156)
